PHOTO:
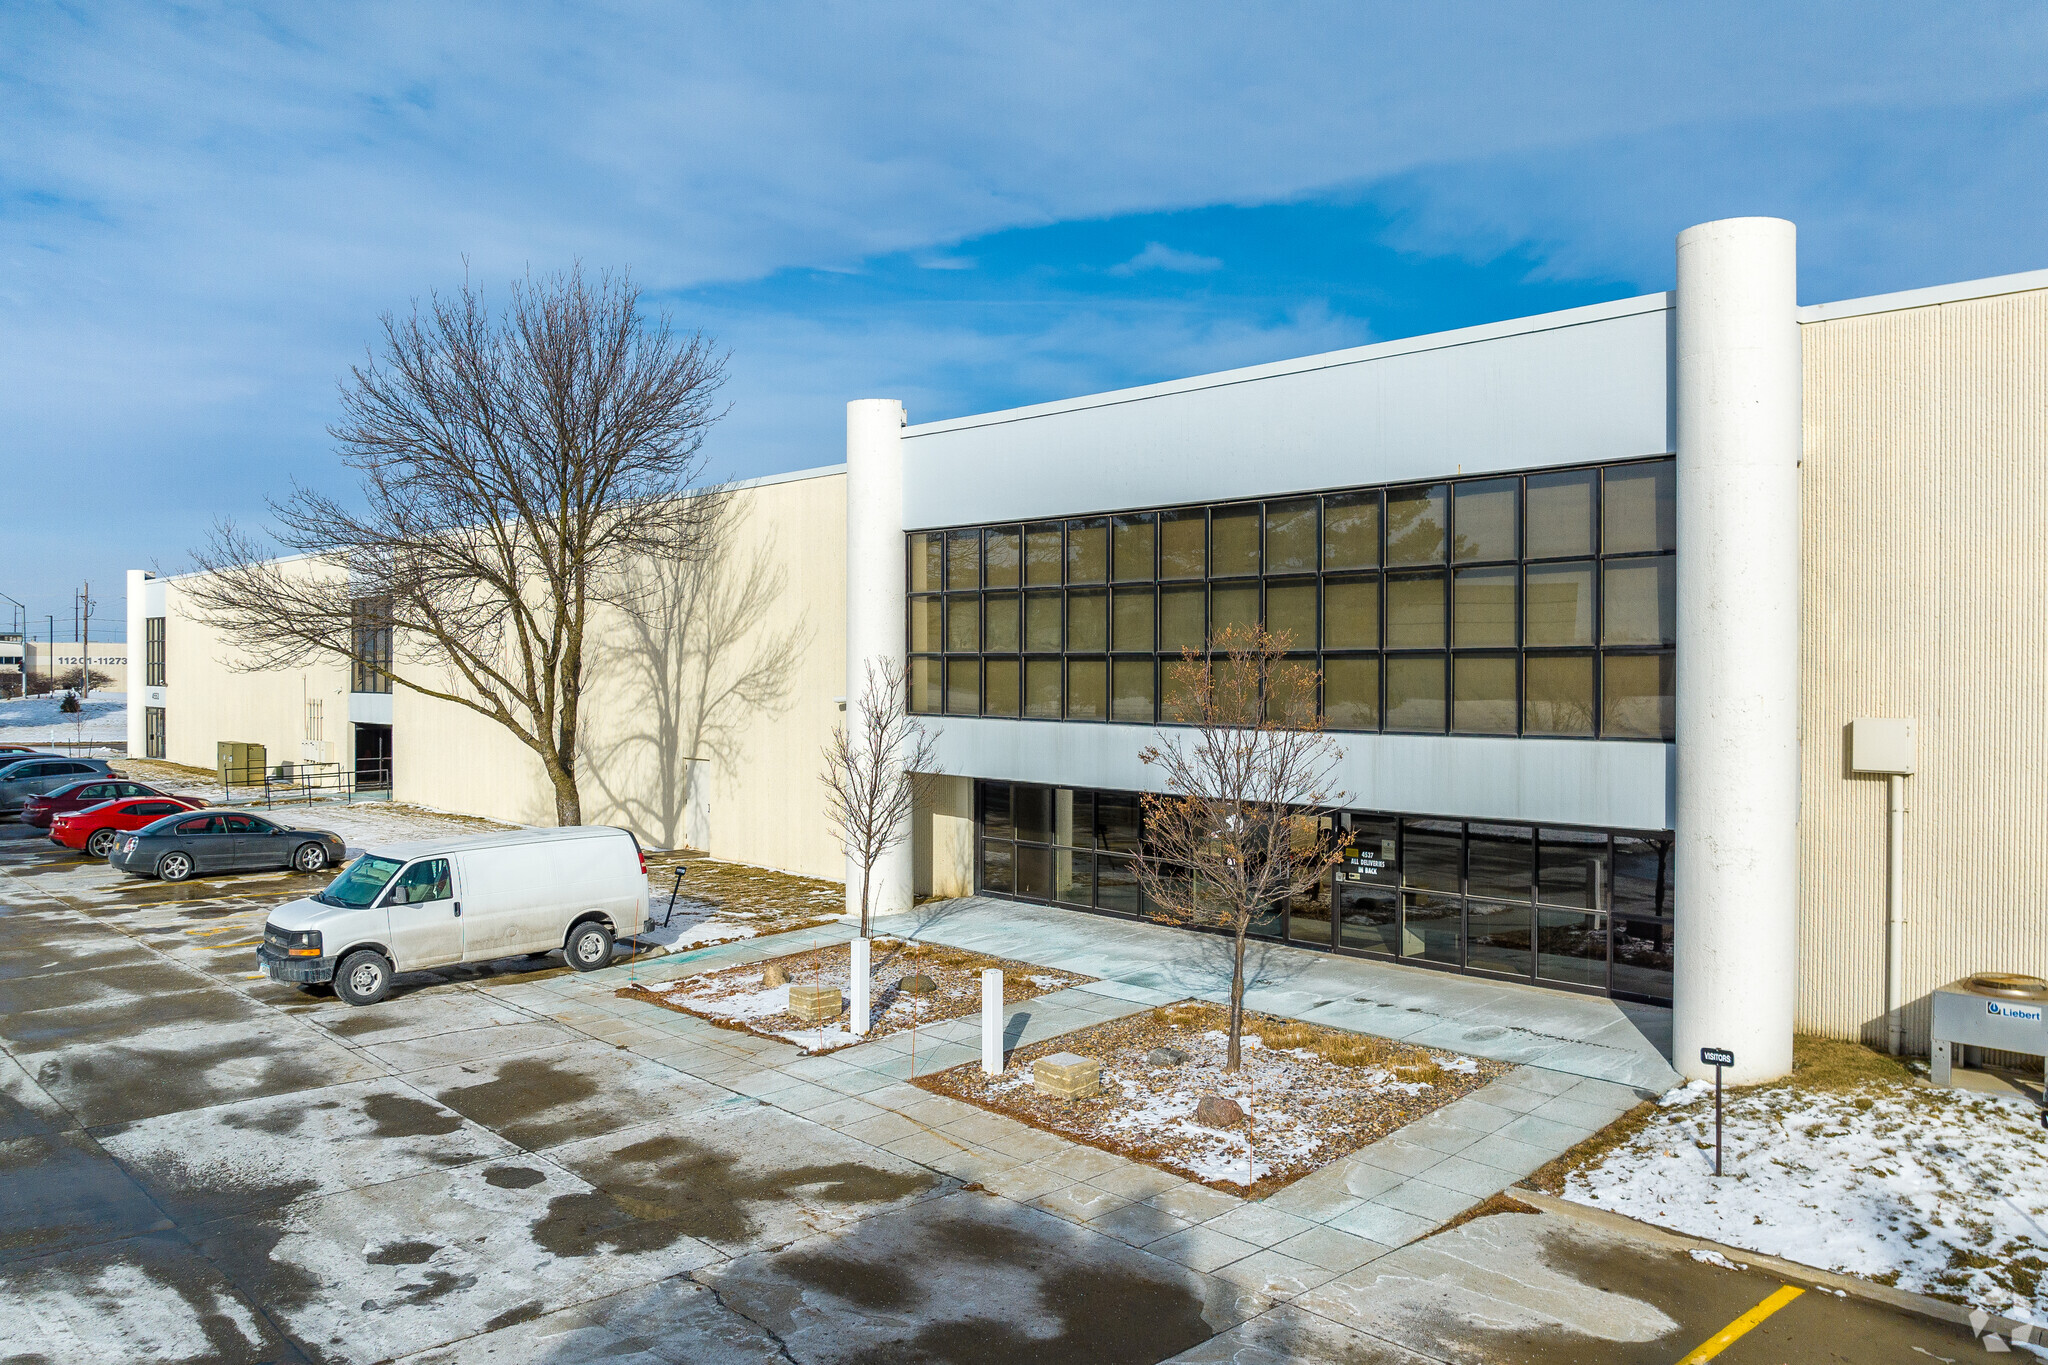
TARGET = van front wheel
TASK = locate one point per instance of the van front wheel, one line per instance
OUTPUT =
(363, 977)
(590, 947)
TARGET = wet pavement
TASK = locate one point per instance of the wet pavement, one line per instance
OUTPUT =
(511, 1164)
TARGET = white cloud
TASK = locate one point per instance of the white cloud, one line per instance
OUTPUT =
(1159, 256)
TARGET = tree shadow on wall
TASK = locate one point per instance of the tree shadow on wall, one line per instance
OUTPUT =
(697, 666)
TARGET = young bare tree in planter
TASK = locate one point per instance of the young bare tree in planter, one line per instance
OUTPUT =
(1247, 769)
(875, 767)
(513, 466)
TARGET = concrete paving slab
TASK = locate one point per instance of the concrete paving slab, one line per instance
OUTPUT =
(1195, 1203)
(543, 1099)
(745, 1177)
(919, 1285)
(674, 1322)
(1026, 1183)
(1259, 1224)
(1288, 1335)
(61, 1191)
(1324, 1199)
(487, 1043)
(1398, 1155)
(1469, 1177)
(26, 1109)
(1138, 1224)
(1377, 1222)
(1081, 1201)
(1426, 1199)
(1274, 1274)
(1334, 1251)
(417, 1016)
(253, 1155)
(1202, 1248)
(1587, 1115)
(1134, 1181)
(1545, 1135)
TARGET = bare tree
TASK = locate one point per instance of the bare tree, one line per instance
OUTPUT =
(512, 466)
(875, 768)
(1237, 832)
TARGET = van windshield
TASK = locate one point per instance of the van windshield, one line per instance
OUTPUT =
(359, 883)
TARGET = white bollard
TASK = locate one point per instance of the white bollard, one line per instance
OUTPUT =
(992, 1020)
(860, 975)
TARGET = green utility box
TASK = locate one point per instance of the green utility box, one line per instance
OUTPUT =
(241, 765)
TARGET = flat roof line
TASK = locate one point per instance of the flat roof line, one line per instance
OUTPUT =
(1356, 355)
(1932, 296)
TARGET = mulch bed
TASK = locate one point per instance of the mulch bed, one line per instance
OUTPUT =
(738, 997)
(1314, 1094)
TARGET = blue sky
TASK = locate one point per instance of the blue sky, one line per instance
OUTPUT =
(204, 208)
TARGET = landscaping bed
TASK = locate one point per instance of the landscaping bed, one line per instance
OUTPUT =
(721, 902)
(1313, 1093)
(1851, 1164)
(740, 998)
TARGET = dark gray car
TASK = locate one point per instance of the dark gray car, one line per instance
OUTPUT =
(179, 846)
(26, 777)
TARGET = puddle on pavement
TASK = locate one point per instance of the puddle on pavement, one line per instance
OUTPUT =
(403, 1253)
(117, 1084)
(47, 1029)
(518, 1097)
(512, 1177)
(402, 1116)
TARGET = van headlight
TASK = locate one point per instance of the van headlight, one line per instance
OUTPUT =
(302, 943)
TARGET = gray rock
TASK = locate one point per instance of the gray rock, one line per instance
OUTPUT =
(1165, 1056)
(1216, 1112)
(774, 975)
(919, 984)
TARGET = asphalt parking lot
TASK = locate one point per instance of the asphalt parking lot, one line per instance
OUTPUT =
(197, 1164)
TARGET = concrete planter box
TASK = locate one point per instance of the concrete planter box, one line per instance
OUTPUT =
(1067, 1076)
(814, 1004)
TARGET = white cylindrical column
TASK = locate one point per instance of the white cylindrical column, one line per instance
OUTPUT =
(1739, 446)
(992, 1020)
(876, 581)
(859, 975)
(138, 629)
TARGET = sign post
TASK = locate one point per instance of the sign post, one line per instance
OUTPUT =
(1717, 1057)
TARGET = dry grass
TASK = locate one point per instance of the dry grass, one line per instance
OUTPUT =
(1486, 1208)
(764, 900)
(1314, 1093)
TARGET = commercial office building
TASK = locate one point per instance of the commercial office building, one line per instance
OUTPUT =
(1593, 596)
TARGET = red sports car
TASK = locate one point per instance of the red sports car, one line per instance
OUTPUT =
(96, 828)
(88, 792)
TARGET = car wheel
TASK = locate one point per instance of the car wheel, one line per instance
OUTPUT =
(309, 858)
(101, 843)
(363, 977)
(590, 947)
(174, 867)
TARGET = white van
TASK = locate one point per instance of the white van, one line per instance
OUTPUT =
(402, 907)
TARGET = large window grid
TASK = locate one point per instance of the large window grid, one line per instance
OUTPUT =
(153, 651)
(372, 631)
(1571, 907)
(1538, 604)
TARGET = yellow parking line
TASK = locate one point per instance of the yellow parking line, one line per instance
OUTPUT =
(1735, 1330)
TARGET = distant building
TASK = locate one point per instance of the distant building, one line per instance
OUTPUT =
(109, 658)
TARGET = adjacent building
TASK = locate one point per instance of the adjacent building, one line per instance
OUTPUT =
(1594, 599)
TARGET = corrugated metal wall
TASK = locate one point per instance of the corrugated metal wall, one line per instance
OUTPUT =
(1926, 595)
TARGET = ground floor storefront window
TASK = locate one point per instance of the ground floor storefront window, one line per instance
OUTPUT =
(1580, 909)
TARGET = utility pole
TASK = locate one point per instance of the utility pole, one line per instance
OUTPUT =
(85, 642)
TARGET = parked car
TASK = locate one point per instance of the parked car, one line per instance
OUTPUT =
(403, 907)
(10, 753)
(96, 828)
(176, 847)
(41, 810)
(28, 777)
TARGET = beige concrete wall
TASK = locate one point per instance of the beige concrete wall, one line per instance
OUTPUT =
(208, 699)
(1926, 595)
(705, 719)
(942, 838)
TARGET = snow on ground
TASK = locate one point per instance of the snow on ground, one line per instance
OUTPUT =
(36, 720)
(1940, 1192)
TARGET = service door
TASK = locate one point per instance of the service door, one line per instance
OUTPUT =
(426, 919)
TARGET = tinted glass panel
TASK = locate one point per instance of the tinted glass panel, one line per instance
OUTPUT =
(1074, 877)
(1183, 544)
(1130, 629)
(1032, 807)
(995, 810)
(1351, 693)
(1291, 536)
(1179, 691)
(1483, 608)
(1005, 632)
(1116, 885)
(1042, 688)
(1486, 516)
(1351, 531)
(1557, 694)
(1483, 694)
(1308, 916)
(1042, 622)
(1640, 603)
(1134, 539)
(1042, 554)
(1415, 611)
(927, 625)
(1088, 621)
(963, 560)
(1571, 869)
(1636, 696)
(1432, 854)
(1559, 604)
(1180, 618)
(1233, 541)
(1351, 613)
(1291, 611)
(924, 686)
(1415, 693)
(1233, 608)
(1639, 508)
(963, 687)
(1433, 928)
(1500, 861)
(1369, 919)
(1642, 958)
(1498, 937)
(963, 624)
(1560, 513)
(1571, 947)
(927, 562)
(1003, 558)
(1642, 876)
(998, 866)
(1291, 692)
(1131, 690)
(1088, 689)
(1416, 529)
(1088, 550)
(1003, 683)
(1121, 818)
(1034, 872)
